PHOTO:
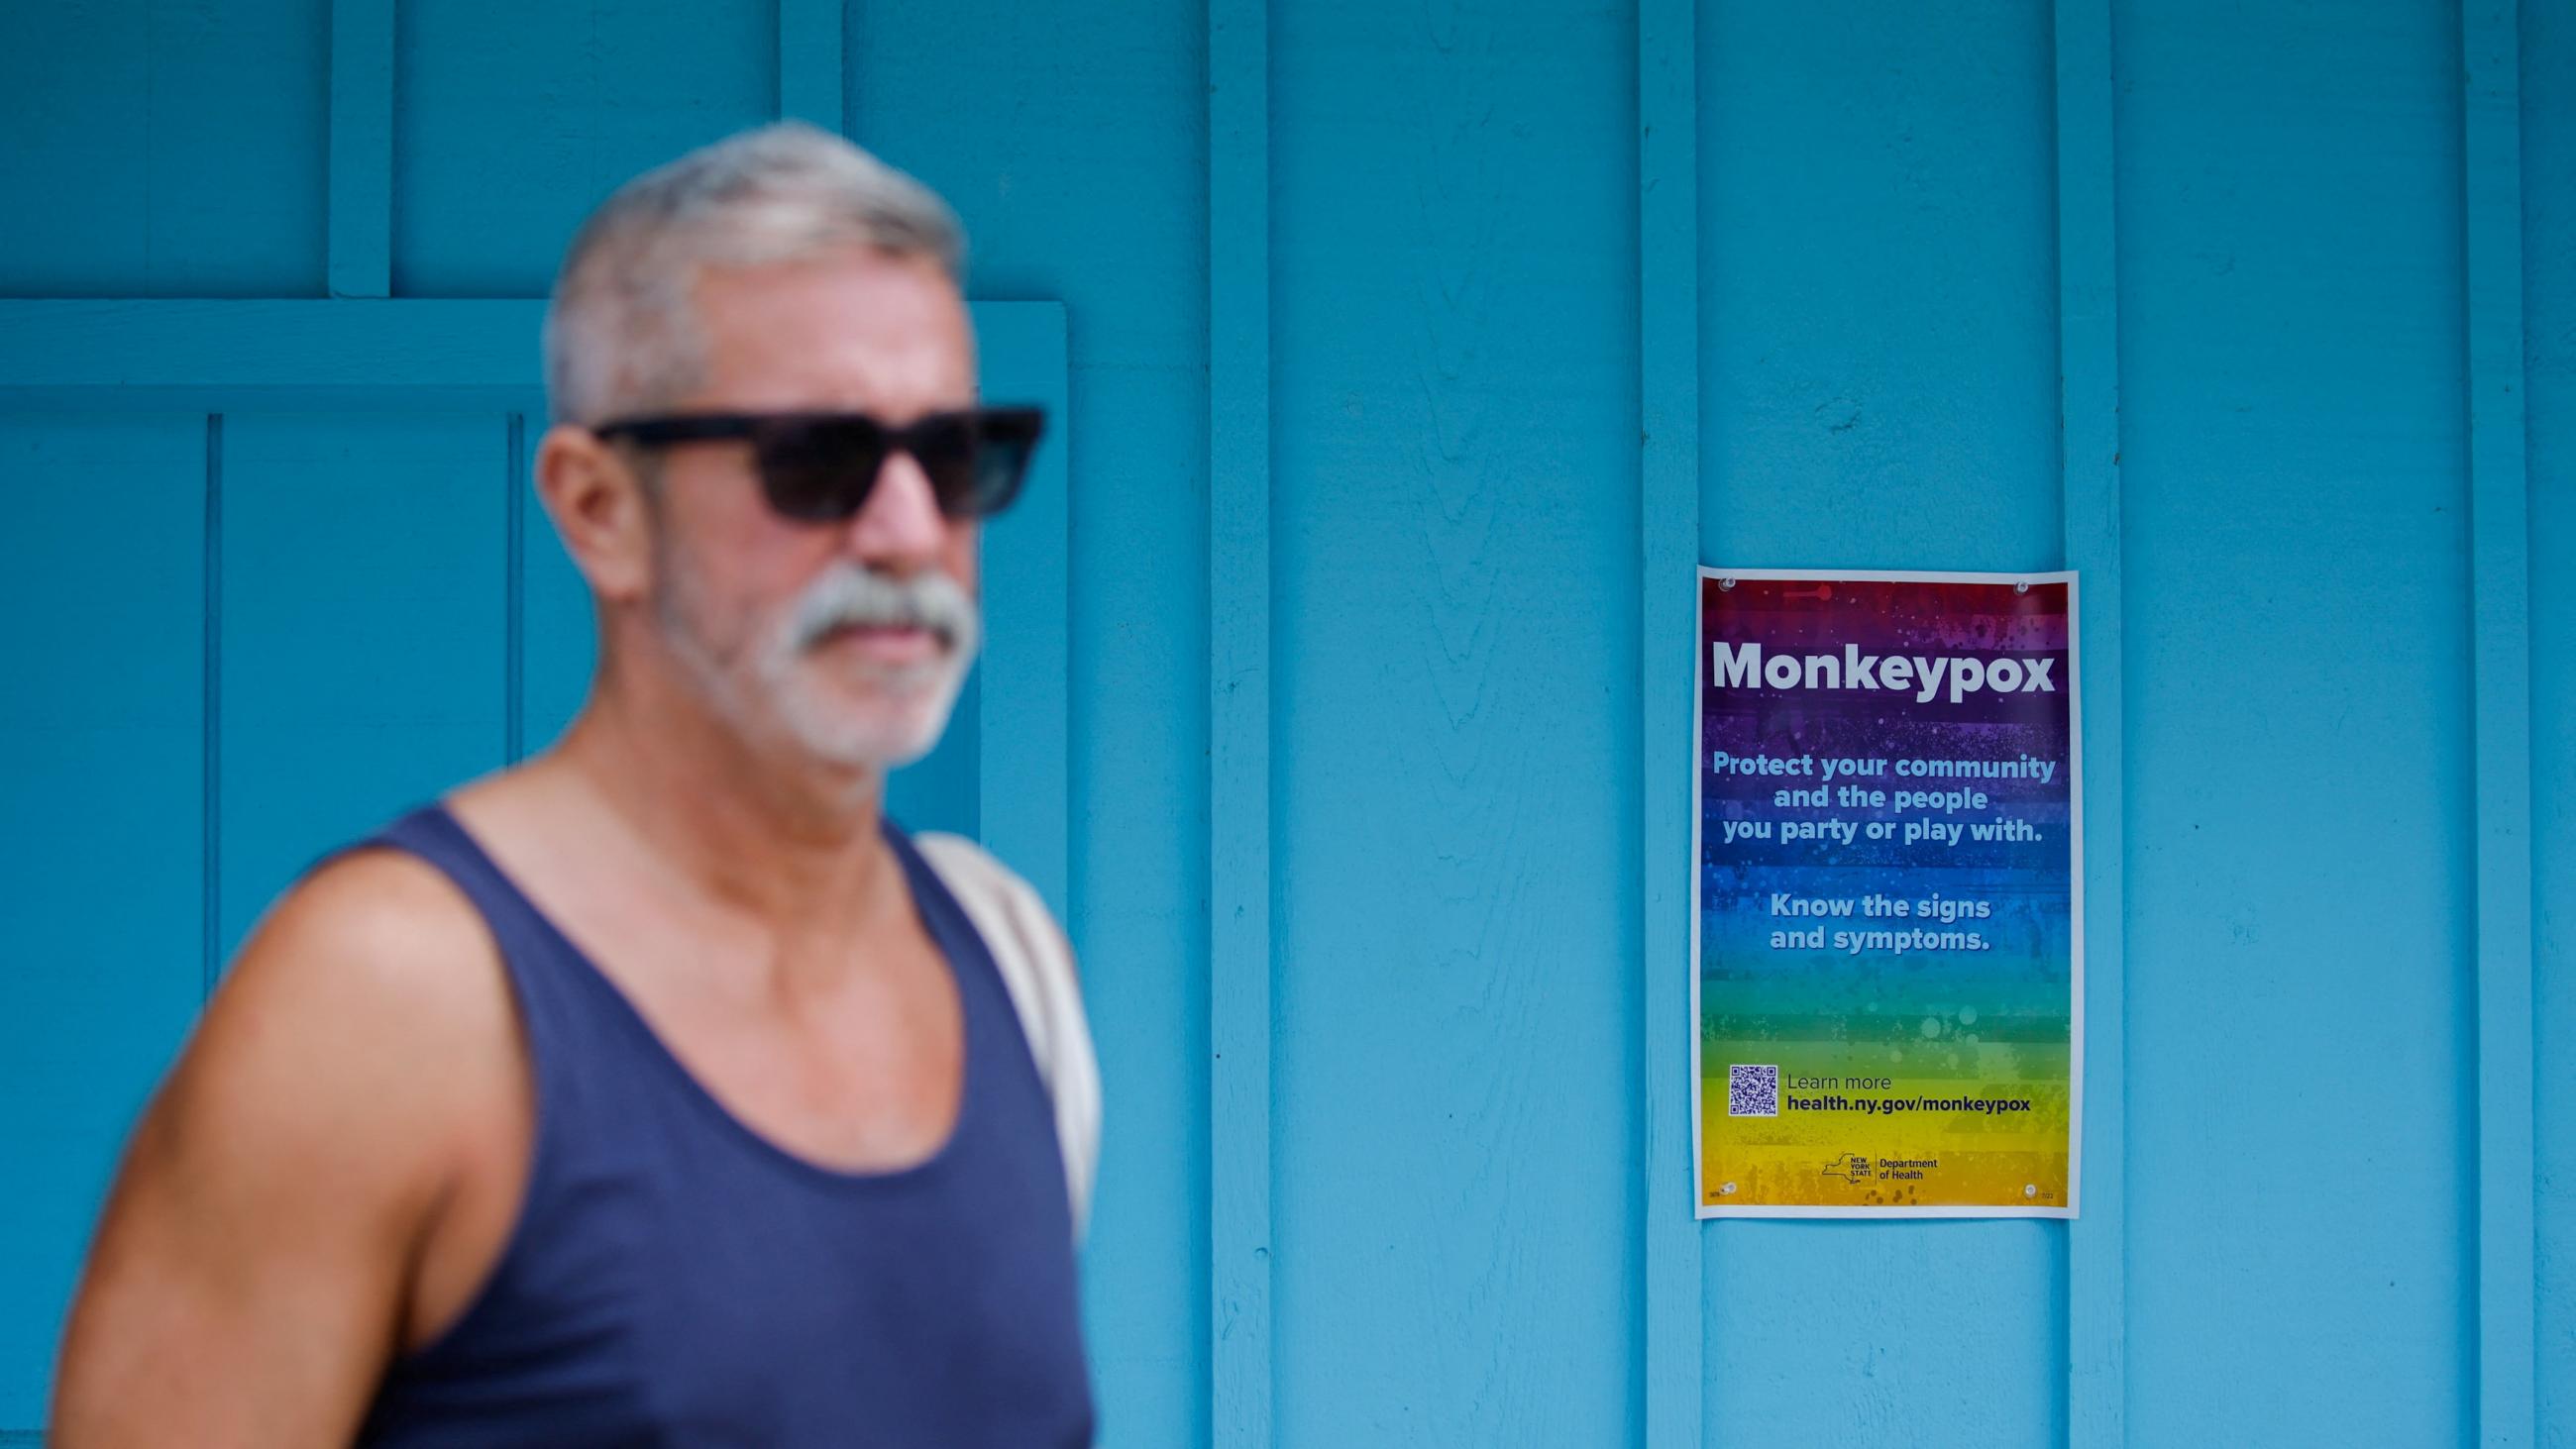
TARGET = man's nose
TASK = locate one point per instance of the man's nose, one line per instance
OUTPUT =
(900, 529)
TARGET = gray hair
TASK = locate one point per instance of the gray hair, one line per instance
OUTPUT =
(620, 333)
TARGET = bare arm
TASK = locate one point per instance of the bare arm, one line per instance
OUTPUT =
(248, 1283)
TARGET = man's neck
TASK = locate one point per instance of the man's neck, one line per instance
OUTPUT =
(793, 841)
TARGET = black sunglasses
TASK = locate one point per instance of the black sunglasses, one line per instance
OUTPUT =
(821, 467)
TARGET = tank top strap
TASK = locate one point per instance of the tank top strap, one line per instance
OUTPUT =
(939, 910)
(559, 1010)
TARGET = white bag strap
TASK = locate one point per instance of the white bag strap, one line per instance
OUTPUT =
(1037, 966)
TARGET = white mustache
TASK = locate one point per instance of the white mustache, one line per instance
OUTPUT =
(853, 596)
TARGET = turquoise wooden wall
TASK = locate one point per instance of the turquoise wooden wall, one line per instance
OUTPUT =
(1412, 355)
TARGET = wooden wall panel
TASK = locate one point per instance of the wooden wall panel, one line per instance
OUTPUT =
(511, 121)
(166, 148)
(104, 936)
(2301, 1085)
(1456, 1026)
(2495, 393)
(2548, 111)
(364, 661)
(1879, 319)
(1879, 334)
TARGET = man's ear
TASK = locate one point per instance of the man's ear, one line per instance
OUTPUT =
(597, 502)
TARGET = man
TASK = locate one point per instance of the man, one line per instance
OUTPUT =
(655, 1092)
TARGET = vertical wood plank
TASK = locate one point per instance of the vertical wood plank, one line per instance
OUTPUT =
(1457, 1187)
(166, 148)
(1239, 829)
(1857, 415)
(2292, 388)
(100, 587)
(2548, 144)
(2089, 413)
(810, 69)
(1668, 543)
(363, 607)
(518, 118)
(1023, 719)
(362, 148)
(2500, 553)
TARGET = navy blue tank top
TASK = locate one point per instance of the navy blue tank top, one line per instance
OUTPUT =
(674, 1278)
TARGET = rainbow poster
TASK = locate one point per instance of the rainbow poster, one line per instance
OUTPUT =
(1888, 986)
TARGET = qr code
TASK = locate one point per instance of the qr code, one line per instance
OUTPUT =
(1752, 1091)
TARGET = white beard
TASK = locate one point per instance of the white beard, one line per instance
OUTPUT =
(895, 718)
(851, 714)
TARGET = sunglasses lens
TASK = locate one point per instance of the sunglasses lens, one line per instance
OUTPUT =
(820, 471)
(977, 461)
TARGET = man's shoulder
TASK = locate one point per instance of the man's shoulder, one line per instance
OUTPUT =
(367, 1002)
(377, 923)
(278, 1193)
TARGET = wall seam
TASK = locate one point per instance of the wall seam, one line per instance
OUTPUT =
(2089, 438)
(1240, 960)
(1668, 237)
(514, 602)
(211, 761)
(2500, 561)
